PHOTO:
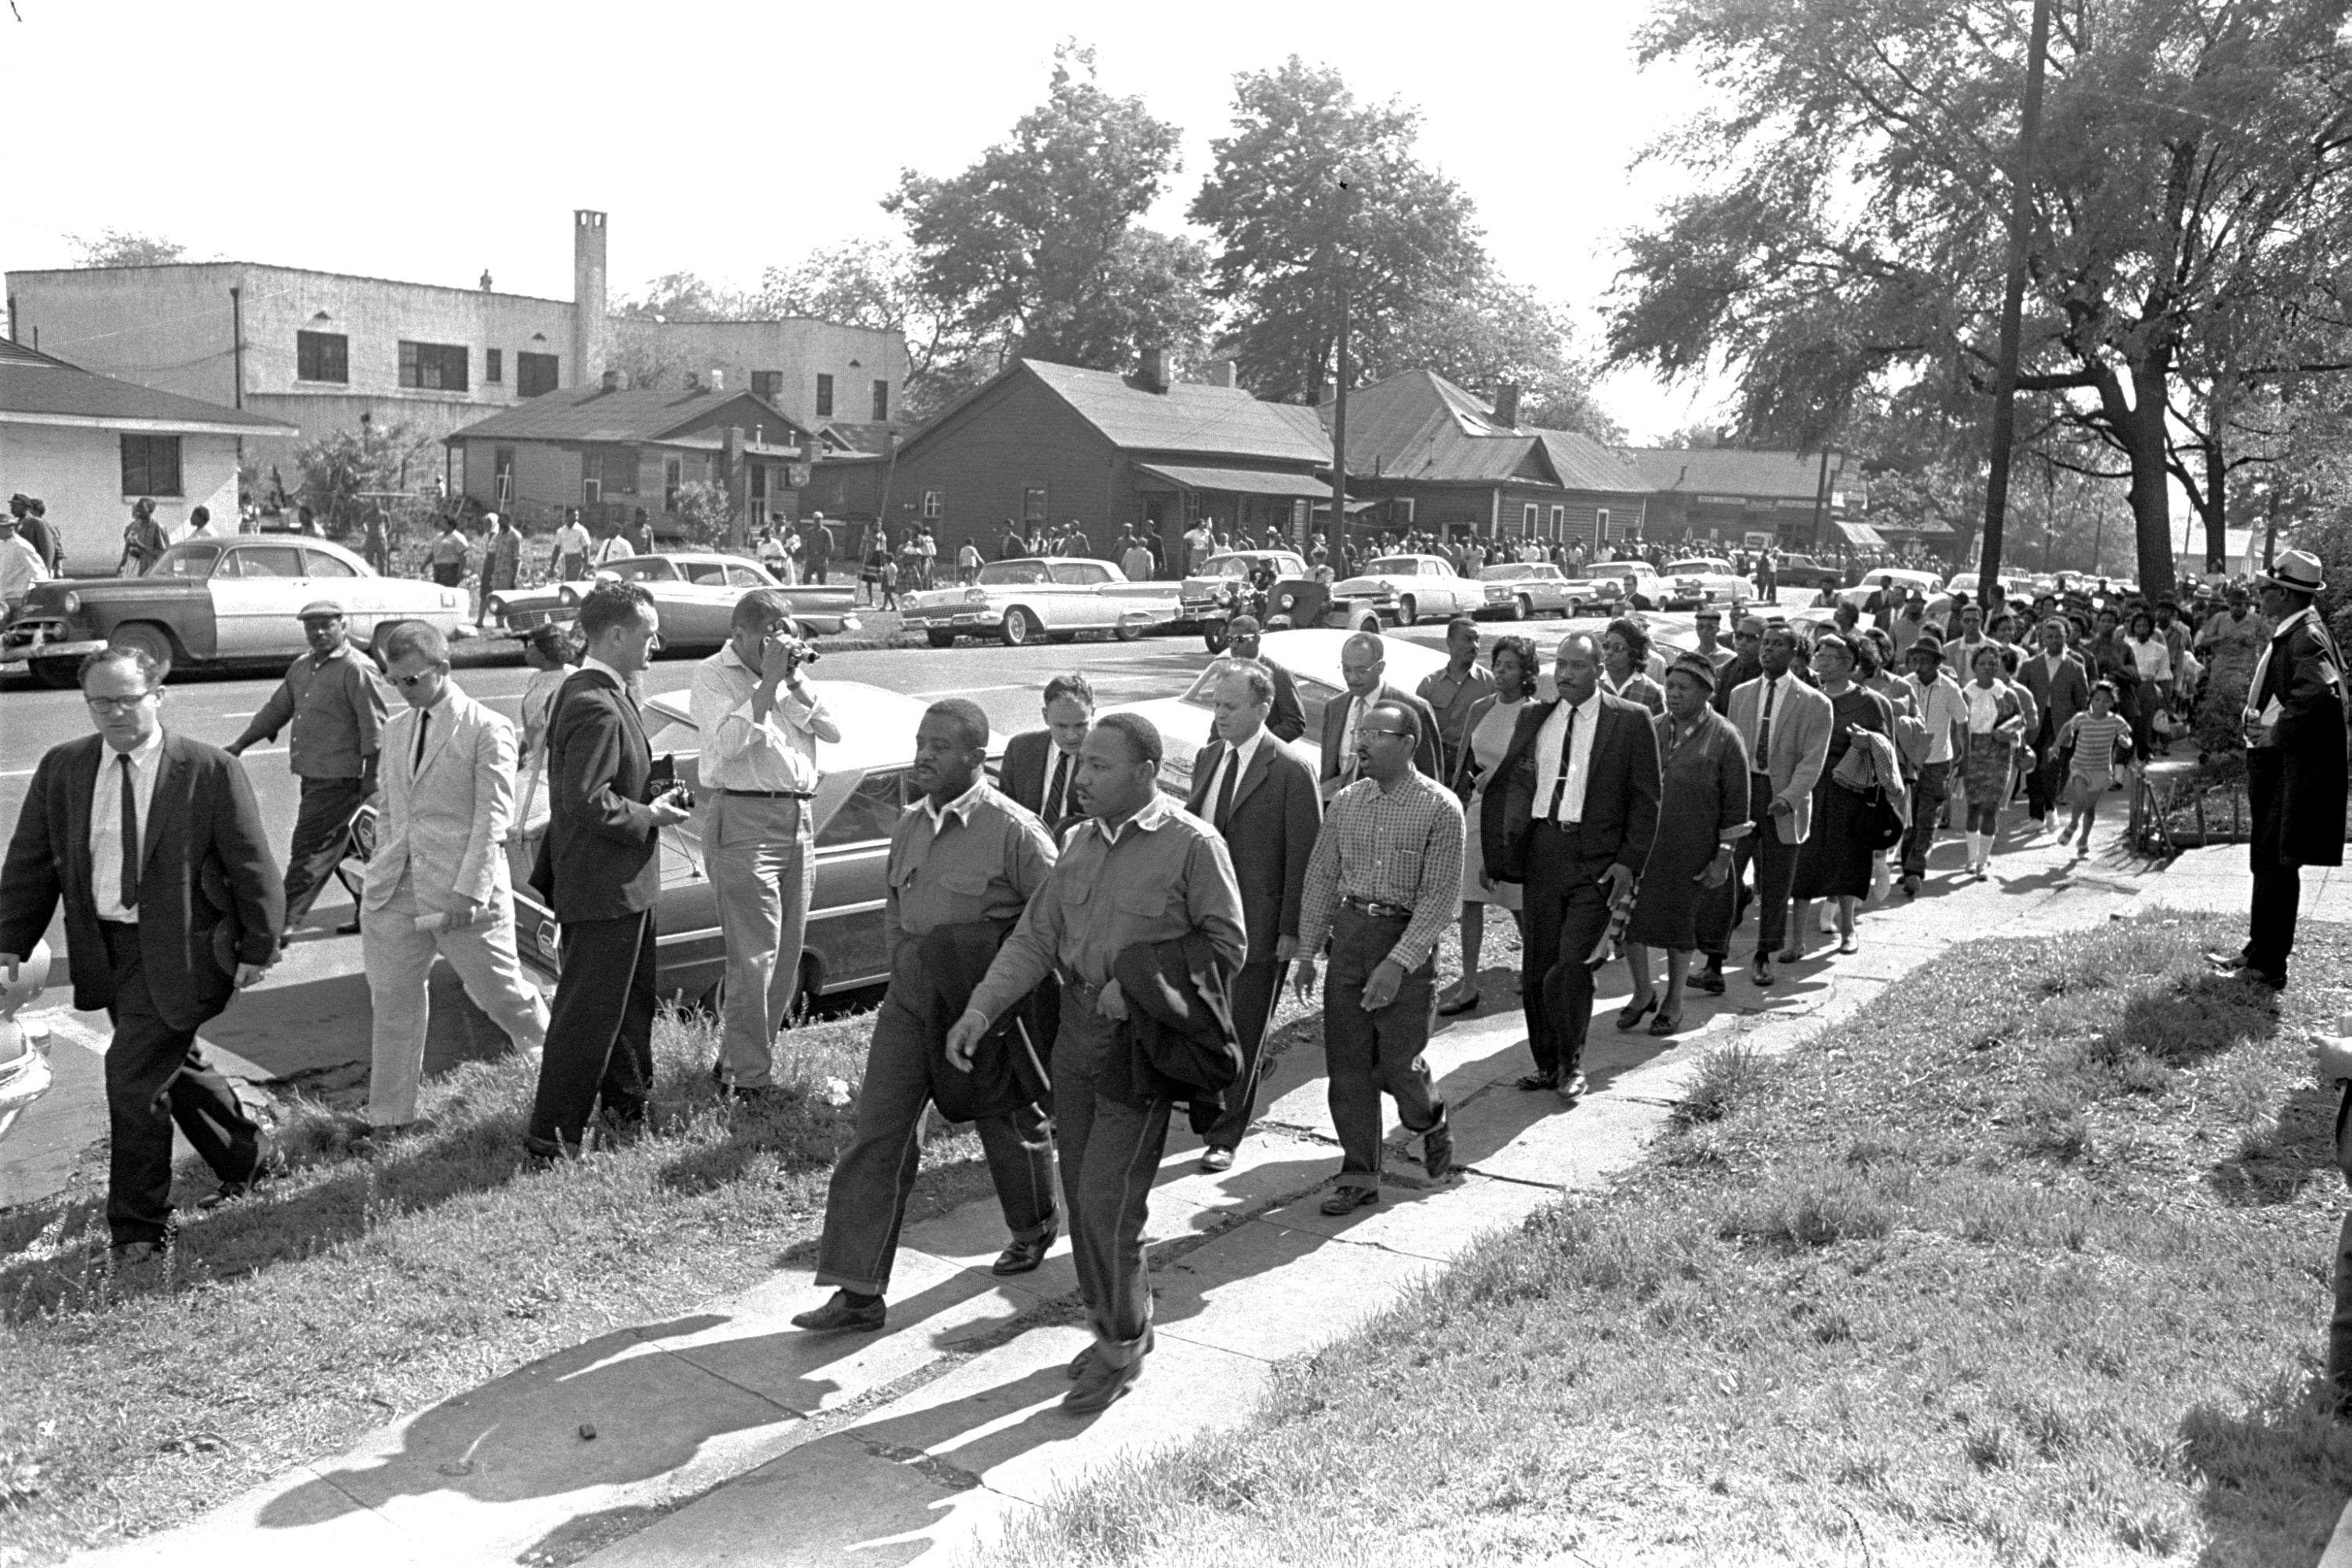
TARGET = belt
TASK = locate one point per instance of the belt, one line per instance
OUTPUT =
(771, 794)
(1377, 912)
(1070, 982)
(1563, 827)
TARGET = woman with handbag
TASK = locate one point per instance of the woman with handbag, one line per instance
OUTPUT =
(1996, 729)
(1487, 730)
(1703, 811)
(1838, 857)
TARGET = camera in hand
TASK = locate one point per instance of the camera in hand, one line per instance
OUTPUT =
(799, 651)
(661, 783)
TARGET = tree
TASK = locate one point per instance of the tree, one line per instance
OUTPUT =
(1496, 333)
(1312, 185)
(122, 248)
(348, 475)
(874, 283)
(1034, 249)
(2193, 164)
(684, 297)
(706, 513)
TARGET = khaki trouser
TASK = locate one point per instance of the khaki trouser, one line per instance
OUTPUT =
(763, 868)
(399, 960)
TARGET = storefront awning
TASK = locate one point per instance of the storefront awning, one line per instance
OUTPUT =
(1860, 533)
(1237, 481)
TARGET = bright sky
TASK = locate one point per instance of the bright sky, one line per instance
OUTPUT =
(430, 139)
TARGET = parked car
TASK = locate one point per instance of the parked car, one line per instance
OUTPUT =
(1804, 572)
(1902, 579)
(696, 592)
(1519, 590)
(1230, 584)
(1698, 580)
(1311, 657)
(1408, 588)
(1034, 596)
(25, 1074)
(860, 796)
(211, 604)
(1306, 605)
(1610, 586)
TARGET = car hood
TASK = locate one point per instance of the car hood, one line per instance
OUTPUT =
(1185, 728)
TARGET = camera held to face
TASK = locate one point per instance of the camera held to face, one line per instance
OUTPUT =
(799, 651)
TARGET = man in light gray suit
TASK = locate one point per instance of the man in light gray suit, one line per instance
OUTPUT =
(1786, 724)
(438, 881)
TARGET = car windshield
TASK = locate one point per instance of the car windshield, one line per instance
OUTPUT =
(1012, 573)
(640, 568)
(1715, 566)
(1506, 573)
(186, 561)
(1399, 565)
(1230, 566)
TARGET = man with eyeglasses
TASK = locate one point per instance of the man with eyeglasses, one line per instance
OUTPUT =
(335, 702)
(1746, 660)
(154, 846)
(1363, 662)
(437, 883)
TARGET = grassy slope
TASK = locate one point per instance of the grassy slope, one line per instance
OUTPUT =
(2025, 1264)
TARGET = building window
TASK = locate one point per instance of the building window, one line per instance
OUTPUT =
(534, 373)
(881, 401)
(433, 367)
(1400, 511)
(494, 366)
(1559, 522)
(935, 505)
(617, 466)
(150, 465)
(768, 384)
(673, 476)
(502, 479)
(1528, 516)
(322, 356)
(1032, 503)
(824, 396)
(1601, 525)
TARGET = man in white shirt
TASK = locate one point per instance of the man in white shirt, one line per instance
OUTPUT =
(21, 565)
(760, 725)
(614, 546)
(1198, 543)
(1944, 712)
(569, 560)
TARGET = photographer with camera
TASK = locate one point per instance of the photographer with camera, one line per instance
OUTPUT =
(759, 724)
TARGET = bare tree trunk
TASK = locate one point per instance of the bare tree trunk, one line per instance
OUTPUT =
(2217, 475)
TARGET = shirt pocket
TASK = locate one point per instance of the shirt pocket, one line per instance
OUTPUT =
(1142, 903)
(967, 894)
(1403, 871)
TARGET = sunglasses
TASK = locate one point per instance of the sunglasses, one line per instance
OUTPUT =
(411, 682)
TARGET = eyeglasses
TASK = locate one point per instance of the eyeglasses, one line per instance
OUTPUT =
(104, 705)
(1366, 730)
(411, 682)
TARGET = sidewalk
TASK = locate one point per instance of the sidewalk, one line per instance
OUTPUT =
(725, 1435)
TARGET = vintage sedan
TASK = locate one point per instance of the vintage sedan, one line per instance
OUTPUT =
(217, 603)
(696, 592)
(1032, 596)
(863, 793)
(1609, 587)
(1519, 590)
(1805, 571)
(1698, 580)
(1898, 579)
(1408, 588)
(1227, 585)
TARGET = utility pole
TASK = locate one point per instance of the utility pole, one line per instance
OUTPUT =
(2012, 308)
(1343, 179)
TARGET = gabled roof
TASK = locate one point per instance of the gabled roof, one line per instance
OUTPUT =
(41, 389)
(1417, 425)
(1731, 471)
(593, 414)
(1212, 421)
(847, 436)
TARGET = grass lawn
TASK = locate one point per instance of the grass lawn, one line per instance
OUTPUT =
(2027, 1263)
(366, 1284)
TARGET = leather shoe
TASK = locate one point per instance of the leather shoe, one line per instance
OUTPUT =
(1760, 972)
(1078, 1363)
(1572, 1088)
(1437, 1152)
(1214, 1159)
(2248, 972)
(1020, 1256)
(1347, 1200)
(1536, 1080)
(268, 1168)
(1466, 1002)
(1709, 980)
(840, 1314)
(1100, 1384)
(349, 927)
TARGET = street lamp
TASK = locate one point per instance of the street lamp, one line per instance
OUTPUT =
(1343, 178)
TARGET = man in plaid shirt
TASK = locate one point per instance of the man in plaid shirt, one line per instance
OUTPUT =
(1385, 877)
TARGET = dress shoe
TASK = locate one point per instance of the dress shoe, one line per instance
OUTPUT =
(1709, 980)
(1910, 885)
(1536, 1080)
(1467, 1002)
(1020, 1256)
(1634, 1011)
(762, 1094)
(1667, 1023)
(1848, 945)
(844, 1313)
(135, 1254)
(1761, 971)
(1789, 955)
(1437, 1152)
(1100, 1384)
(1347, 1200)
(1213, 1159)
(1572, 1088)
(267, 1168)
(349, 927)
(544, 1152)
(2259, 976)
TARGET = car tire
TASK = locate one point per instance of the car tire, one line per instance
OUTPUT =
(1523, 608)
(147, 637)
(1213, 638)
(1122, 632)
(938, 638)
(1021, 627)
(1405, 611)
(57, 674)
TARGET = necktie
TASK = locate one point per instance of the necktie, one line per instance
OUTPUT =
(1226, 790)
(1061, 780)
(129, 892)
(1348, 740)
(1764, 726)
(1567, 750)
(417, 762)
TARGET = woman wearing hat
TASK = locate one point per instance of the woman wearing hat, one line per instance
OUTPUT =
(1703, 811)
(1838, 862)
(1491, 723)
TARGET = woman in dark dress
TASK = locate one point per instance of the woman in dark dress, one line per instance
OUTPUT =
(1837, 862)
(1703, 811)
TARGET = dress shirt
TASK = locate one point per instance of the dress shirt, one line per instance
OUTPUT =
(21, 566)
(1399, 847)
(613, 549)
(1580, 758)
(739, 751)
(106, 820)
(337, 707)
(978, 857)
(1767, 708)
(1233, 765)
(1940, 706)
(570, 540)
(1159, 875)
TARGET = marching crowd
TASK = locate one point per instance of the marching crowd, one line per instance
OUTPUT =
(1074, 956)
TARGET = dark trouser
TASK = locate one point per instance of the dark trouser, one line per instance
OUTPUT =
(1776, 871)
(322, 826)
(817, 569)
(2043, 785)
(156, 1074)
(1377, 1052)
(2278, 885)
(1110, 1153)
(1931, 790)
(448, 576)
(1253, 991)
(868, 1202)
(600, 1032)
(1566, 912)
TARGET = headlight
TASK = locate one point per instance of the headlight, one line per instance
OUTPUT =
(568, 597)
(974, 596)
(70, 604)
(495, 608)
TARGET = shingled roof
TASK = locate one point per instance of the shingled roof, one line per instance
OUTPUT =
(39, 388)
(621, 416)
(1731, 471)
(1419, 426)
(1212, 421)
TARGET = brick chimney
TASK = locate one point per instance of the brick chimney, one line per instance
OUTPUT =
(717, 379)
(587, 295)
(1221, 372)
(1154, 372)
(1507, 403)
(612, 380)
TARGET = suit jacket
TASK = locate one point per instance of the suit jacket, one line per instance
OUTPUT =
(210, 896)
(2060, 697)
(1621, 793)
(2304, 678)
(1025, 771)
(446, 824)
(1802, 722)
(1182, 1042)
(601, 857)
(1286, 719)
(1335, 725)
(1276, 816)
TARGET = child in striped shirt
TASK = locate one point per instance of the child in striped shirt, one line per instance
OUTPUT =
(2098, 735)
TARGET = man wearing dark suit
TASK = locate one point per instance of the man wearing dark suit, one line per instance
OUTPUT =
(1041, 766)
(1286, 719)
(173, 902)
(600, 866)
(1571, 812)
(2061, 689)
(1263, 800)
(1363, 660)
